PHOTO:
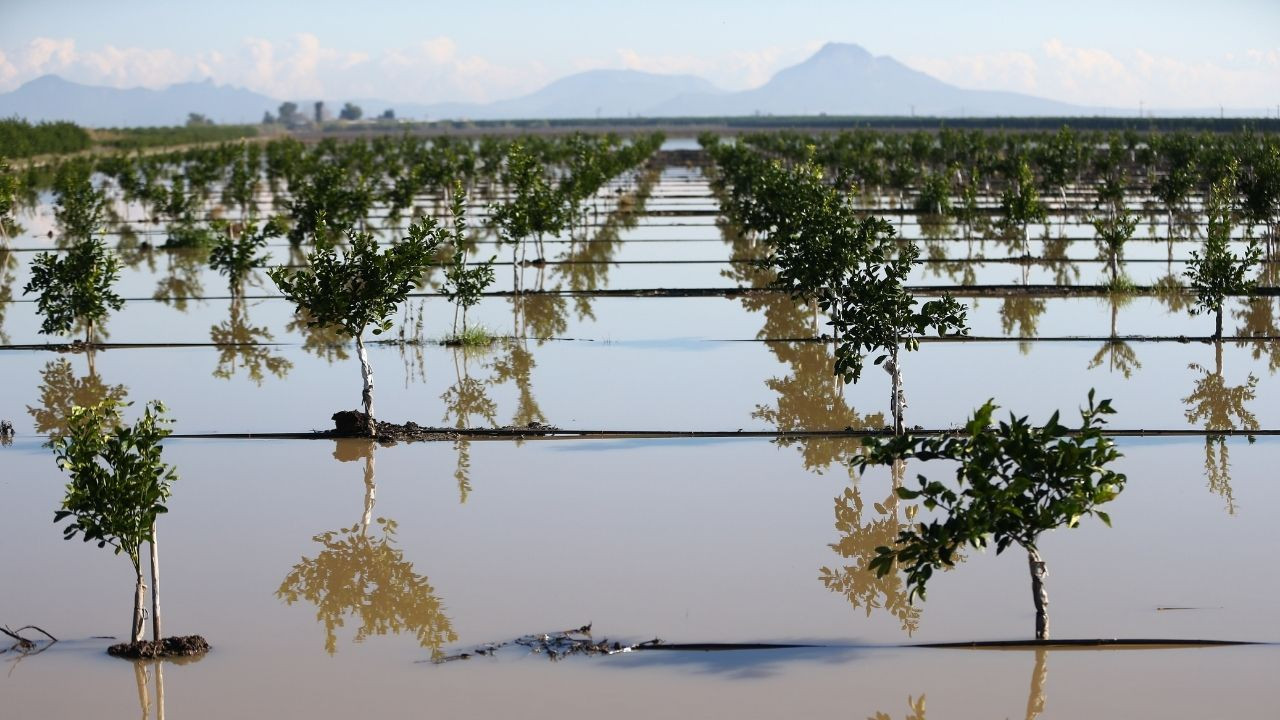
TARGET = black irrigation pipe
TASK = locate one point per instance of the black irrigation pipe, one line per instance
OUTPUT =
(1070, 644)
(430, 434)
(961, 339)
(979, 291)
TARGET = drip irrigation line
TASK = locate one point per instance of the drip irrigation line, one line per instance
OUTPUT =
(434, 434)
(958, 339)
(961, 291)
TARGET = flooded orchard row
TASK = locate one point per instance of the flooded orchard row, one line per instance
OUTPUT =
(728, 541)
(328, 574)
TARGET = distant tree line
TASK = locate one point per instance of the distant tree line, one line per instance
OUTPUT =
(148, 137)
(19, 138)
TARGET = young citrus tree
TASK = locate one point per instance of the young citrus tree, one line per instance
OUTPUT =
(1014, 481)
(236, 255)
(361, 287)
(1218, 273)
(119, 486)
(75, 290)
(464, 286)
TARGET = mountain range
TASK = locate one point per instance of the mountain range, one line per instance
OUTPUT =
(840, 79)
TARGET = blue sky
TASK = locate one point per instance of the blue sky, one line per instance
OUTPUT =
(1164, 54)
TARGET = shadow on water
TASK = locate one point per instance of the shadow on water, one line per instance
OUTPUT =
(738, 664)
(360, 573)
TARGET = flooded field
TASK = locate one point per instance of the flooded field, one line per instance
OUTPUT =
(696, 488)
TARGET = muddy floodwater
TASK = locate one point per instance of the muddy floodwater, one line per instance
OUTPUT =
(700, 492)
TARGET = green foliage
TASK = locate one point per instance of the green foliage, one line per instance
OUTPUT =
(1216, 273)
(138, 138)
(79, 207)
(1020, 201)
(535, 207)
(75, 289)
(464, 286)
(19, 138)
(362, 286)
(119, 481)
(871, 309)
(9, 185)
(1113, 231)
(1013, 482)
(236, 255)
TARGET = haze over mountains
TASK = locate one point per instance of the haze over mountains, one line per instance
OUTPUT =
(840, 79)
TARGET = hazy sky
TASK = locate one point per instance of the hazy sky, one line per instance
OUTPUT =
(1114, 53)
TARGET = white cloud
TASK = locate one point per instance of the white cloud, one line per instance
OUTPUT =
(1096, 77)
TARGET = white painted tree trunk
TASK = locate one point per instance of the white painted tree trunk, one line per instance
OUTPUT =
(366, 373)
(155, 586)
(1039, 594)
(139, 603)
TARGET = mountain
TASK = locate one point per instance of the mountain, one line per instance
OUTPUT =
(52, 98)
(845, 79)
(594, 93)
(840, 79)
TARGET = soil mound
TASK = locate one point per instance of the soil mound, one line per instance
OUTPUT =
(184, 646)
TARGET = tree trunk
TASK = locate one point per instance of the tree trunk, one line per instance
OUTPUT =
(895, 394)
(1039, 594)
(155, 585)
(1217, 324)
(139, 603)
(366, 373)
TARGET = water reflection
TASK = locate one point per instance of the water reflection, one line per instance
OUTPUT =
(1036, 698)
(181, 282)
(1214, 405)
(1118, 355)
(327, 342)
(465, 399)
(1021, 314)
(915, 710)
(859, 538)
(8, 273)
(61, 390)
(811, 397)
(1258, 319)
(362, 574)
(241, 346)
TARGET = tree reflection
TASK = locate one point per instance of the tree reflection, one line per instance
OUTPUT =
(858, 542)
(362, 574)
(8, 268)
(1035, 695)
(61, 390)
(182, 281)
(1021, 314)
(241, 344)
(325, 342)
(1117, 353)
(1258, 319)
(810, 397)
(1214, 405)
(915, 710)
(465, 399)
